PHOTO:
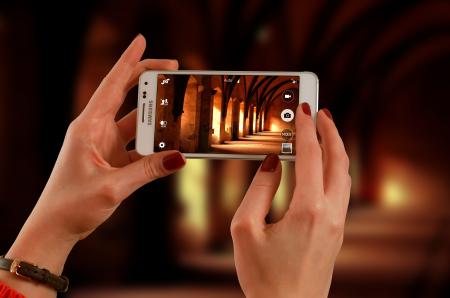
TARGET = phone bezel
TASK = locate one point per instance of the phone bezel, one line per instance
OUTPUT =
(309, 92)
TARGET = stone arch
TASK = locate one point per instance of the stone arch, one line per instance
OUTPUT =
(190, 118)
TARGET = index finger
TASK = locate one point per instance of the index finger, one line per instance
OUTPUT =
(109, 96)
(257, 201)
(336, 163)
(308, 160)
(146, 64)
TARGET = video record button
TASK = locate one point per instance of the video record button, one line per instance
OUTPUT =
(288, 95)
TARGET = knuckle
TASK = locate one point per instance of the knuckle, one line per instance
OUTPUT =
(316, 210)
(312, 148)
(340, 241)
(240, 228)
(319, 218)
(344, 160)
(152, 168)
(340, 158)
(112, 82)
(335, 227)
(348, 181)
(80, 127)
(110, 192)
(109, 79)
(311, 215)
(73, 126)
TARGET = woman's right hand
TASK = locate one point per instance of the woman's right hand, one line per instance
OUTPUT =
(295, 256)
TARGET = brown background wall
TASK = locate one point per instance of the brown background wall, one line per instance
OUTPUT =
(383, 69)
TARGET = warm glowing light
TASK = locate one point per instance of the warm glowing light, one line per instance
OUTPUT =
(232, 177)
(274, 127)
(229, 119)
(216, 122)
(192, 193)
(241, 119)
(393, 194)
(254, 119)
(281, 199)
(216, 118)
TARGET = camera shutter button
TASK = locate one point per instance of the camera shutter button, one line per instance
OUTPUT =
(287, 115)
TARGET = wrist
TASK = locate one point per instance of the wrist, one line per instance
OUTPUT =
(43, 242)
(41, 245)
(282, 290)
(274, 292)
(45, 250)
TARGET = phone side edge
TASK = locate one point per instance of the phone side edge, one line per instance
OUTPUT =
(146, 112)
(309, 91)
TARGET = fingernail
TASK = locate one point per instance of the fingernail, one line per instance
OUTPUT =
(173, 161)
(270, 163)
(327, 112)
(306, 109)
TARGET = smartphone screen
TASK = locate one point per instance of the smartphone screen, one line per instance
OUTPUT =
(226, 114)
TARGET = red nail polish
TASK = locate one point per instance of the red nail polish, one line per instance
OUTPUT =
(327, 112)
(270, 163)
(173, 161)
(306, 109)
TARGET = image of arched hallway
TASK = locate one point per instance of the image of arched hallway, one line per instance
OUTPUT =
(229, 114)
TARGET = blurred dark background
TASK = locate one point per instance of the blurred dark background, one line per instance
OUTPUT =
(383, 68)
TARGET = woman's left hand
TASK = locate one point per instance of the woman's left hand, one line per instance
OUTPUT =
(94, 172)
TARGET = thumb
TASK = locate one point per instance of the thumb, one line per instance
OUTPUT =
(258, 199)
(147, 169)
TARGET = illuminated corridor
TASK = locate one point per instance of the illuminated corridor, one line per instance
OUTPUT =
(258, 143)
(241, 114)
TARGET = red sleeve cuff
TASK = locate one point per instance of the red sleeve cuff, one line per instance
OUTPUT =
(7, 292)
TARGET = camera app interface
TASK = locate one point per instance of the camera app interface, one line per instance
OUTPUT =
(238, 114)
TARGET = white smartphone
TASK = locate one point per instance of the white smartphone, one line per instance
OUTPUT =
(222, 114)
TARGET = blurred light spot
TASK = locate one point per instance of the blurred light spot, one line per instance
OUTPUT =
(228, 119)
(230, 191)
(274, 127)
(263, 35)
(192, 194)
(216, 117)
(282, 196)
(233, 176)
(241, 118)
(254, 119)
(193, 61)
(263, 120)
(393, 194)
